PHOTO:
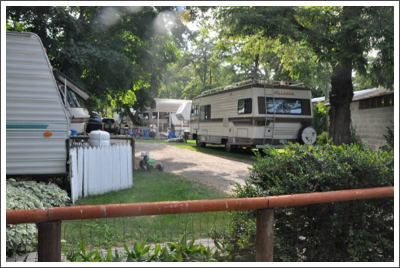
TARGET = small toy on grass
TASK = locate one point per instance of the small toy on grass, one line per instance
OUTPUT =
(148, 163)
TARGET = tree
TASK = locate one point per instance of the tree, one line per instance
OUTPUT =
(340, 36)
(113, 52)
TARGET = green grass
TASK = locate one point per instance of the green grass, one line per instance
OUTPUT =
(167, 186)
(153, 186)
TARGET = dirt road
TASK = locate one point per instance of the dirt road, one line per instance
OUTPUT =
(214, 171)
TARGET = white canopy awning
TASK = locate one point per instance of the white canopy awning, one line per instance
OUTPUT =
(166, 105)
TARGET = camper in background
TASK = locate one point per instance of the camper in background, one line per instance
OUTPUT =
(253, 114)
(73, 97)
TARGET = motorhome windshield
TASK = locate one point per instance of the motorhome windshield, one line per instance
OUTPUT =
(283, 106)
(73, 99)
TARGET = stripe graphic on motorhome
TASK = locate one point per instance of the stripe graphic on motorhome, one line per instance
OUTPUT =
(27, 126)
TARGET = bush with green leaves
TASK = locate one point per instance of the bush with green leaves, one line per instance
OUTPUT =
(344, 231)
(182, 251)
(322, 138)
(29, 195)
(389, 139)
(319, 122)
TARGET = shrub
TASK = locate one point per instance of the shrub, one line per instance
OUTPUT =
(29, 195)
(389, 139)
(182, 251)
(360, 230)
(322, 139)
(319, 117)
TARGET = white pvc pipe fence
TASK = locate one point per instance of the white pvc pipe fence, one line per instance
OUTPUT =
(99, 170)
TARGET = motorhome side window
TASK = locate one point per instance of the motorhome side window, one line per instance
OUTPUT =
(205, 113)
(155, 115)
(194, 111)
(283, 106)
(245, 106)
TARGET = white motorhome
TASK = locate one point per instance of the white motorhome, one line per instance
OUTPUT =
(37, 124)
(253, 114)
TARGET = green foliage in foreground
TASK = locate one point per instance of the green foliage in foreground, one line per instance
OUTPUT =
(344, 231)
(29, 195)
(182, 251)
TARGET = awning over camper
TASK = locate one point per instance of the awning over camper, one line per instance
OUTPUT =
(166, 105)
(371, 93)
(71, 84)
(362, 94)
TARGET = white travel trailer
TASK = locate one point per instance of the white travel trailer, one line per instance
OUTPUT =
(253, 114)
(183, 112)
(73, 96)
(37, 125)
(167, 109)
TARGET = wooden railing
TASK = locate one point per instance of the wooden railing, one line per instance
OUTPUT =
(49, 220)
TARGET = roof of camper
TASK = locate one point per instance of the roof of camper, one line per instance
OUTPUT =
(254, 83)
(166, 105)
(362, 94)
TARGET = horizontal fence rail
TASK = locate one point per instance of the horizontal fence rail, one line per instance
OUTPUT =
(195, 206)
(49, 220)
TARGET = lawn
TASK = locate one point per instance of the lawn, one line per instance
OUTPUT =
(148, 187)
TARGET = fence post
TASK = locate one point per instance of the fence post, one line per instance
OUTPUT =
(265, 235)
(49, 241)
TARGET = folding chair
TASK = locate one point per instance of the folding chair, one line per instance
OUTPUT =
(145, 133)
(171, 135)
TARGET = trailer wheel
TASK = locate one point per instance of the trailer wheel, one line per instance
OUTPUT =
(199, 143)
(307, 135)
(229, 147)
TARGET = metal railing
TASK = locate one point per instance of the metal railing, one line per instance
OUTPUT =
(49, 220)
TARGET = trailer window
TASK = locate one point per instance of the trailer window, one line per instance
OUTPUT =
(194, 111)
(283, 106)
(205, 113)
(245, 106)
(144, 116)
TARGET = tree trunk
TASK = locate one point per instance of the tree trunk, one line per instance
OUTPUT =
(256, 66)
(340, 100)
(131, 116)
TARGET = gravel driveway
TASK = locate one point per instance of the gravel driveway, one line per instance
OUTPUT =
(214, 171)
